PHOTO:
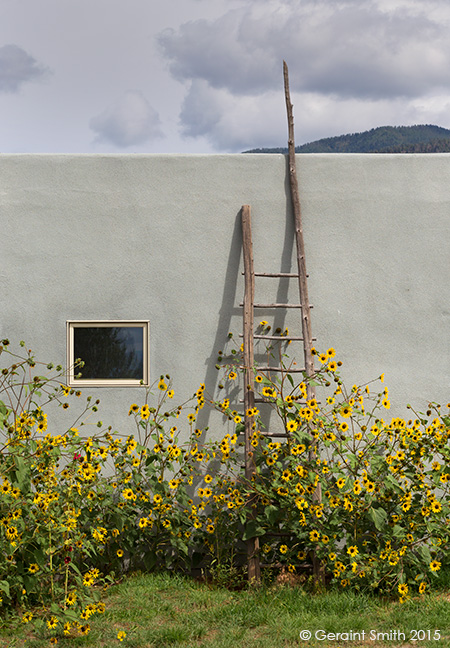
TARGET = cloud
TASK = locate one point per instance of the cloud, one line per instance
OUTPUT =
(129, 122)
(17, 67)
(372, 55)
(238, 123)
(344, 48)
(232, 123)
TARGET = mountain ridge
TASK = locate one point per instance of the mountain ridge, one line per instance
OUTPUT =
(423, 138)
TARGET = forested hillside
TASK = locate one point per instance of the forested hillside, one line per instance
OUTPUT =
(385, 139)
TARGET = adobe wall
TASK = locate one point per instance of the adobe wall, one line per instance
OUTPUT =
(159, 238)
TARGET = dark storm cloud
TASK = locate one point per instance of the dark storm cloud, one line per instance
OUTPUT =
(129, 122)
(18, 67)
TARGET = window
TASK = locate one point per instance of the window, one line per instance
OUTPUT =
(115, 353)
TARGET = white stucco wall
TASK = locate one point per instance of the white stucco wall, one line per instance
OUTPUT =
(159, 238)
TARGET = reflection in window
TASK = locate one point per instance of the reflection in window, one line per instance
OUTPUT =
(113, 353)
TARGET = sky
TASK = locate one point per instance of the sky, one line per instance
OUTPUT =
(205, 76)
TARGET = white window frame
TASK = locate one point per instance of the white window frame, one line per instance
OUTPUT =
(106, 382)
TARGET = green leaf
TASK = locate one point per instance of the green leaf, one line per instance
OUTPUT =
(291, 380)
(425, 552)
(398, 531)
(253, 530)
(4, 587)
(271, 513)
(70, 614)
(379, 517)
(22, 473)
(75, 568)
(242, 516)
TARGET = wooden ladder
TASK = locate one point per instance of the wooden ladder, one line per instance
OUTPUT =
(249, 336)
(249, 305)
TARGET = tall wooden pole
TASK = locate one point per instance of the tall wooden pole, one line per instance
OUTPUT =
(319, 575)
(301, 263)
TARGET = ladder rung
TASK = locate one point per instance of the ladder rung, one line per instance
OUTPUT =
(269, 435)
(282, 369)
(264, 400)
(293, 370)
(277, 337)
(276, 305)
(274, 337)
(303, 566)
(275, 274)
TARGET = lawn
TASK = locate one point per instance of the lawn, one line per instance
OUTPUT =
(162, 610)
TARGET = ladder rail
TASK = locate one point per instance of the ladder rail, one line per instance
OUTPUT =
(254, 569)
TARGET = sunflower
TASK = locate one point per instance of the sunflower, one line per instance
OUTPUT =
(128, 494)
(435, 565)
(352, 551)
(71, 598)
(346, 411)
(145, 412)
(52, 623)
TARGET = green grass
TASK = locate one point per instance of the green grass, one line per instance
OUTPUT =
(159, 611)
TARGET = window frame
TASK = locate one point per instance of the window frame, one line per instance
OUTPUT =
(107, 382)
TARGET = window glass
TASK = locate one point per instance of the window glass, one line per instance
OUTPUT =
(112, 353)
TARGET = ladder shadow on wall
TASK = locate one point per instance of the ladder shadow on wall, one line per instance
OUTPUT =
(230, 311)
